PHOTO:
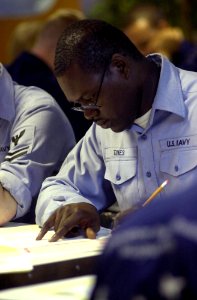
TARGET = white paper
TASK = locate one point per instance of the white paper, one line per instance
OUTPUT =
(30, 252)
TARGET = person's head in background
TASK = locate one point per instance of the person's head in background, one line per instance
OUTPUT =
(148, 28)
(40, 37)
(23, 37)
(45, 43)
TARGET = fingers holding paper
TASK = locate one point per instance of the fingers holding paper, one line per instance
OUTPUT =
(72, 219)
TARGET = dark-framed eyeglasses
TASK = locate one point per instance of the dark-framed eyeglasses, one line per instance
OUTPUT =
(81, 107)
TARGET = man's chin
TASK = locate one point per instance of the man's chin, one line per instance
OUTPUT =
(114, 127)
(118, 129)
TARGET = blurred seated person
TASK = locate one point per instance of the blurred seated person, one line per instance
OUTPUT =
(35, 137)
(152, 254)
(166, 41)
(23, 38)
(35, 66)
(148, 28)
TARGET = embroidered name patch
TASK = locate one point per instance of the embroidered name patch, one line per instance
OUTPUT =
(179, 142)
(120, 153)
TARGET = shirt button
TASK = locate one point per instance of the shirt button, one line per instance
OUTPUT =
(118, 177)
(144, 137)
(148, 174)
(176, 168)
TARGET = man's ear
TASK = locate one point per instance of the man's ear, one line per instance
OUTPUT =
(121, 64)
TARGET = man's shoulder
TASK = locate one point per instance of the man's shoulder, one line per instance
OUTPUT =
(32, 92)
(34, 98)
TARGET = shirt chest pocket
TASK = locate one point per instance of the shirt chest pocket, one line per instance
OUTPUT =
(121, 169)
(177, 163)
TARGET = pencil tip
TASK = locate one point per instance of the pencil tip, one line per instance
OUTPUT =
(165, 182)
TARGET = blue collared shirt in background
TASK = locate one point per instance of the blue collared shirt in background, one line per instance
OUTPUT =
(35, 137)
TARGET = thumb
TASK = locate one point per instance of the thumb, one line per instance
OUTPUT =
(90, 233)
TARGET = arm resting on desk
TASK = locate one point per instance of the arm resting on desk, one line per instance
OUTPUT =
(8, 206)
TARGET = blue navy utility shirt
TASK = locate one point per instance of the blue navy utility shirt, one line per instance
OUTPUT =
(35, 137)
(133, 163)
(152, 255)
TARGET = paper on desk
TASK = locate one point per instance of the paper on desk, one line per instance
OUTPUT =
(13, 259)
(30, 252)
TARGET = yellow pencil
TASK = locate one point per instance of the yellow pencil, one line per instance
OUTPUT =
(154, 194)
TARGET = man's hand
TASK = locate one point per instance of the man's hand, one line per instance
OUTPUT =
(72, 218)
(8, 206)
(121, 215)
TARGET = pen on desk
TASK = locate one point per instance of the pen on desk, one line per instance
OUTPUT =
(154, 194)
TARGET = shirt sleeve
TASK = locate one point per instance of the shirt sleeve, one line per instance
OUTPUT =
(40, 139)
(81, 179)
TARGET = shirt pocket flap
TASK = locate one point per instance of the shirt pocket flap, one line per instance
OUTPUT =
(177, 163)
(119, 172)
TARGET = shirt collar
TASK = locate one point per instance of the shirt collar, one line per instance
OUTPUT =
(143, 120)
(169, 93)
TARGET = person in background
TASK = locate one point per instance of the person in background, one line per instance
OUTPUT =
(152, 254)
(35, 66)
(23, 38)
(141, 23)
(144, 113)
(148, 28)
(35, 137)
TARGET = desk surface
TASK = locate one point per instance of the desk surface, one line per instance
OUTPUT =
(23, 260)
